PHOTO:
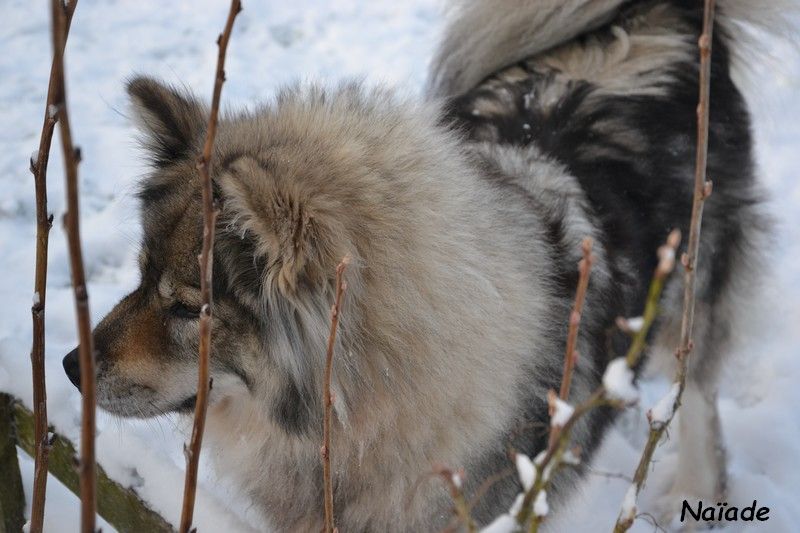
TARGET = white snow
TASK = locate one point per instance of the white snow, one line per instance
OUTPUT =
(666, 255)
(635, 324)
(275, 43)
(526, 470)
(52, 110)
(540, 506)
(570, 458)
(664, 409)
(628, 507)
(562, 411)
(36, 299)
(517, 505)
(618, 381)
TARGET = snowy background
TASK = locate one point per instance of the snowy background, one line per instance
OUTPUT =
(278, 42)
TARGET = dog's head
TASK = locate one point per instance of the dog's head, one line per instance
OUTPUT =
(299, 184)
(284, 223)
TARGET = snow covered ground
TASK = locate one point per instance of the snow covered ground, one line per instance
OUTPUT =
(275, 43)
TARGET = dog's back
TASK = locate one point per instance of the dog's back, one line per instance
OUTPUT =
(607, 91)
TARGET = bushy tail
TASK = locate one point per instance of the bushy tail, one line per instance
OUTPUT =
(482, 36)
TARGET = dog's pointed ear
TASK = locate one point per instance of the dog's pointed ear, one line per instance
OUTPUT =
(171, 120)
(293, 232)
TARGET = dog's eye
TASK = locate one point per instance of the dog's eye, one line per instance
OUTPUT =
(181, 310)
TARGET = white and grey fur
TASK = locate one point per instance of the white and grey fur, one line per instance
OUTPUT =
(547, 121)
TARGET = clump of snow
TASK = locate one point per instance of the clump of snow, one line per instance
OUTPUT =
(618, 381)
(662, 412)
(635, 324)
(526, 470)
(540, 506)
(562, 411)
(517, 505)
(667, 257)
(570, 458)
(628, 508)
(36, 299)
(540, 457)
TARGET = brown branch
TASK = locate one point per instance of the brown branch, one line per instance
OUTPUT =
(119, 506)
(72, 157)
(558, 438)
(454, 481)
(702, 189)
(487, 484)
(571, 355)
(44, 222)
(553, 458)
(206, 259)
(666, 264)
(12, 497)
(327, 397)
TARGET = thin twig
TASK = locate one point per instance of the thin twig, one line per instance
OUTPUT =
(455, 482)
(571, 355)
(702, 190)
(206, 260)
(552, 459)
(608, 475)
(666, 264)
(487, 484)
(44, 222)
(327, 397)
(72, 157)
(548, 462)
(558, 438)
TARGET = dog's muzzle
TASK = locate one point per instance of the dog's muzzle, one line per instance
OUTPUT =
(73, 368)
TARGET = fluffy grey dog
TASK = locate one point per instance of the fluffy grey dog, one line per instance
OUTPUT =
(547, 121)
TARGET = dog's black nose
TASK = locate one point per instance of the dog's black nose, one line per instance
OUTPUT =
(73, 368)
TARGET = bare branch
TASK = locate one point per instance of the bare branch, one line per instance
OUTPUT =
(327, 397)
(72, 157)
(206, 261)
(119, 506)
(12, 497)
(666, 264)
(454, 479)
(571, 355)
(558, 454)
(44, 222)
(702, 190)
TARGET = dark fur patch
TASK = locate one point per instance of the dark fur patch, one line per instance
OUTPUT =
(173, 119)
(637, 191)
(291, 411)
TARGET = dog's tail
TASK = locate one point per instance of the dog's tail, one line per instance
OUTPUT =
(482, 36)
